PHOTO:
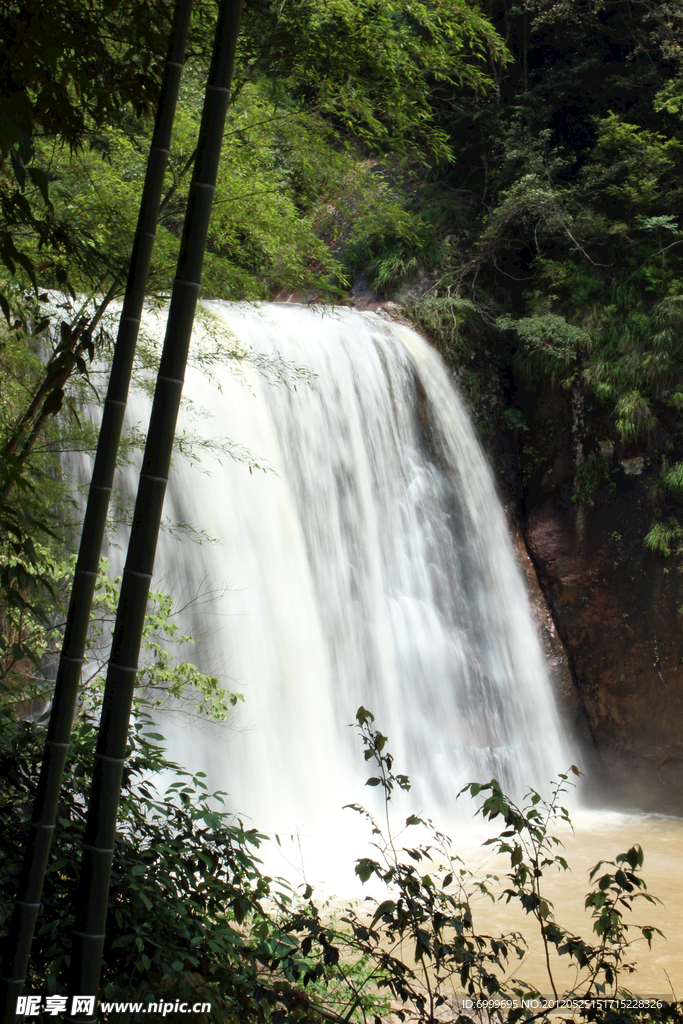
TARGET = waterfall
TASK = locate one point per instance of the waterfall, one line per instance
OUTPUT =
(371, 564)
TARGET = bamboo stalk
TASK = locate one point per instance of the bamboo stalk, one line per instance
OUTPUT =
(100, 832)
(42, 826)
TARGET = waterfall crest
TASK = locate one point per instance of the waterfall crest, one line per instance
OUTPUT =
(372, 565)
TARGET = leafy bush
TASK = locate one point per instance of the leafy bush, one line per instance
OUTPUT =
(550, 344)
(673, 480)
(589, 475)
(191, 914)
(431, 907)
(662, 536)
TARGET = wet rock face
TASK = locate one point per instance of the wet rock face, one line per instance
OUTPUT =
(567, 697)
(616, 608)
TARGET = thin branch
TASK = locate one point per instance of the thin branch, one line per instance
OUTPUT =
(174, 187)
(660, 252)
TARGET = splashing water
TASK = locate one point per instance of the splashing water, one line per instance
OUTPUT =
(371, 565)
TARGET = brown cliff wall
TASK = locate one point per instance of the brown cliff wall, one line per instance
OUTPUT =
(616, 607)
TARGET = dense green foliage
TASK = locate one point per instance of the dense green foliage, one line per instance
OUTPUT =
(556, 293)
(523, 162)
(71, 152)
(191, 914)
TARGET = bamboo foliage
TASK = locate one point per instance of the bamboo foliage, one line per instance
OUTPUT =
(92, 895)
(42, 825)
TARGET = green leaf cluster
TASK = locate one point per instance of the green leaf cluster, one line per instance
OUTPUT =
(565, 235)
(431, 905)
(192, 915)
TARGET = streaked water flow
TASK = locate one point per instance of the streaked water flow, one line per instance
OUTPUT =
(371, 565)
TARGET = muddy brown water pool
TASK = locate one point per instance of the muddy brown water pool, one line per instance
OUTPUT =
(602, 836)
(597, 835)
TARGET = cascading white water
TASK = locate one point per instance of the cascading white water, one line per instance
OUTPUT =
(371, 566)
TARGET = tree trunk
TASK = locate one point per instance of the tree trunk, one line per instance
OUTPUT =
(93, 891)
(69, 671)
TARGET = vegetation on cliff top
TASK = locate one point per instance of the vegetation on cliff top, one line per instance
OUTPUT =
(558, 226)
